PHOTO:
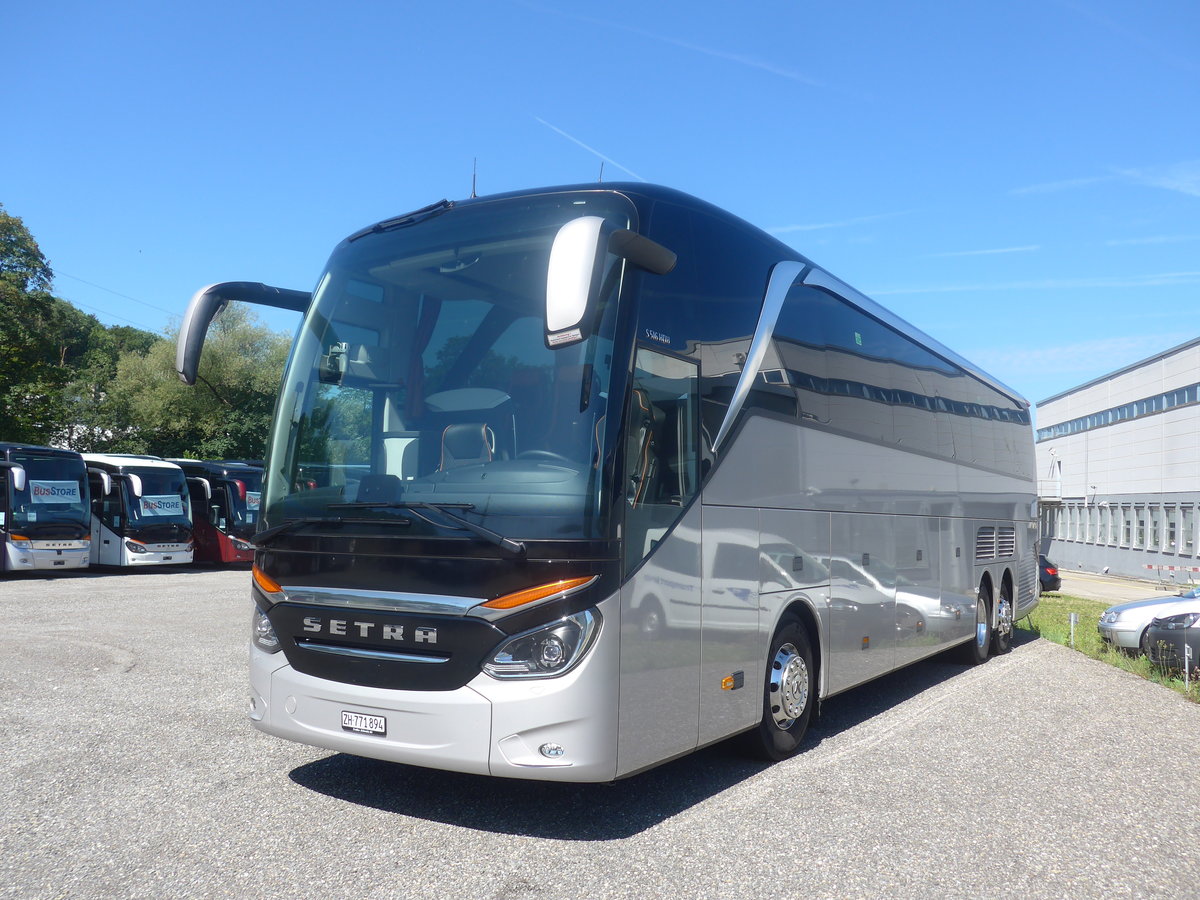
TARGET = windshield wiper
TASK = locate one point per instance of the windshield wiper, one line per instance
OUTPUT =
(517, 548)
(265, 537)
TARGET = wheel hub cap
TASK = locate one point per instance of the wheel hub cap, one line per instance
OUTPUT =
(1004, 617)
(789, 686)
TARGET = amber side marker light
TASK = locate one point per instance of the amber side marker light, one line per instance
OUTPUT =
(268, 584)
(529, 595)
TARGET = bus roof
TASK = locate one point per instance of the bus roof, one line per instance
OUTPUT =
(120, 462)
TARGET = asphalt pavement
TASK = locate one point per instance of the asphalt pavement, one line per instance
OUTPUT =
(1114, 589)
(128, 769)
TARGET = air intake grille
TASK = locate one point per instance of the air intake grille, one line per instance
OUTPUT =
(1006, 541)
(985, 544)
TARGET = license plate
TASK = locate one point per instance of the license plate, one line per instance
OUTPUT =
(167, 558)
(361, 724)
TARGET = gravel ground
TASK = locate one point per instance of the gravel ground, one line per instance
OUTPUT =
(127, 768)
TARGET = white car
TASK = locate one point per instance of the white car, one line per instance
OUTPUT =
(1125, 625)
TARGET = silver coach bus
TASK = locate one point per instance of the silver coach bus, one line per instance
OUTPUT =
(566, 483)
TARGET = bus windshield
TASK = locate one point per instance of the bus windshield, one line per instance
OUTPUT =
(163, 500)
(422, 377)
(53, 497)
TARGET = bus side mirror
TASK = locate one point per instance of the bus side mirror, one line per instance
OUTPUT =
(135, 484)
(208, 302)
(18, 474)
(573, 280)
(105, 479)
(204, 485)
(577, 259)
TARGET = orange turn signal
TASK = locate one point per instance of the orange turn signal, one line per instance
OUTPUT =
(264, 581)
(541, 592)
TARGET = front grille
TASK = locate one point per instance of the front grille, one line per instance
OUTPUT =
(377, 648)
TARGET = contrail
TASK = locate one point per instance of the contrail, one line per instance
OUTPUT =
(590, 150)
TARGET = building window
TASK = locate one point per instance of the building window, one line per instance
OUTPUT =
(1172, 537)
(1126, 526)
(1188, 536)
(1139, 534)
(1155, 535)
(1091, 514)
(1114, 525)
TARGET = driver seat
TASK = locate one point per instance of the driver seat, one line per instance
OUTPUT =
(467, 444)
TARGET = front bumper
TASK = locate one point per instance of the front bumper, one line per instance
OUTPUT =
(1170, 647)
(159, 555)
(552, 729)
(1124, 636)
(33, 556)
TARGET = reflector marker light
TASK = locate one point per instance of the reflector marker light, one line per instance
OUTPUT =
(266, 582)
(541, 592)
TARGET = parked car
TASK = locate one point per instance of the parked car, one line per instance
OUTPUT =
(1126, 624)
(1169, 639)
(1048, 576)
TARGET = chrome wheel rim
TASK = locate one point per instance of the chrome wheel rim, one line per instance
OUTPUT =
(788, 687)
(981, 623)
(1004, 617)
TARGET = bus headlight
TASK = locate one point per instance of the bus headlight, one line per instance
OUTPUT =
(548, 651)
(262, 633)
(135, 547)
(240, 545)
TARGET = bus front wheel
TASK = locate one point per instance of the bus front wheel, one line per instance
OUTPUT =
(788, 693)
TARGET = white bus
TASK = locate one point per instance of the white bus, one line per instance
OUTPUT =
(566, 483)
(141, 514)
(43, 509)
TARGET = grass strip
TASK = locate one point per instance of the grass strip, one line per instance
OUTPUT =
(1052, 621)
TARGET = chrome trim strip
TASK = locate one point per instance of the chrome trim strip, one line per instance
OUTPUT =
(390, 601)
(782, 275)
(822, 279)
(360, 653)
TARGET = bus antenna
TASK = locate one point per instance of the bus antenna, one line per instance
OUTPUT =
(474, 169)
(601, 178)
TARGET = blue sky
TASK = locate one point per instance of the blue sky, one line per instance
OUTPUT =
(1021, 180)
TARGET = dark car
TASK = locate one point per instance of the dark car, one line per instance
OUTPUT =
(1174, 641)
(1048, 575)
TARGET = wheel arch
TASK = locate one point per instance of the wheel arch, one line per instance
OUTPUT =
(802, 609)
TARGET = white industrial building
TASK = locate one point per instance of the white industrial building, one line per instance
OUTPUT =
(1119, 470)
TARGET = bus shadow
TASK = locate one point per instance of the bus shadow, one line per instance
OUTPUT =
(597, 812)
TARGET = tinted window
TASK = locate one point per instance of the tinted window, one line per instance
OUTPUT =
(707, 307)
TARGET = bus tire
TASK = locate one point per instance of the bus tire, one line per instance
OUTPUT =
(1002, 633)
(975, 651)
(789, 693)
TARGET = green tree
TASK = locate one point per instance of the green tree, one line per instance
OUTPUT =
(44, 341)
(227, 414)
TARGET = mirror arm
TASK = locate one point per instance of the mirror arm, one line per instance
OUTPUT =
(642, 252)
(105, 479)
(208, 302)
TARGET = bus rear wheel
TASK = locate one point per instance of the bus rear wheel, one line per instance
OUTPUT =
(789, 690)
(975, 651)
(1002, 634)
